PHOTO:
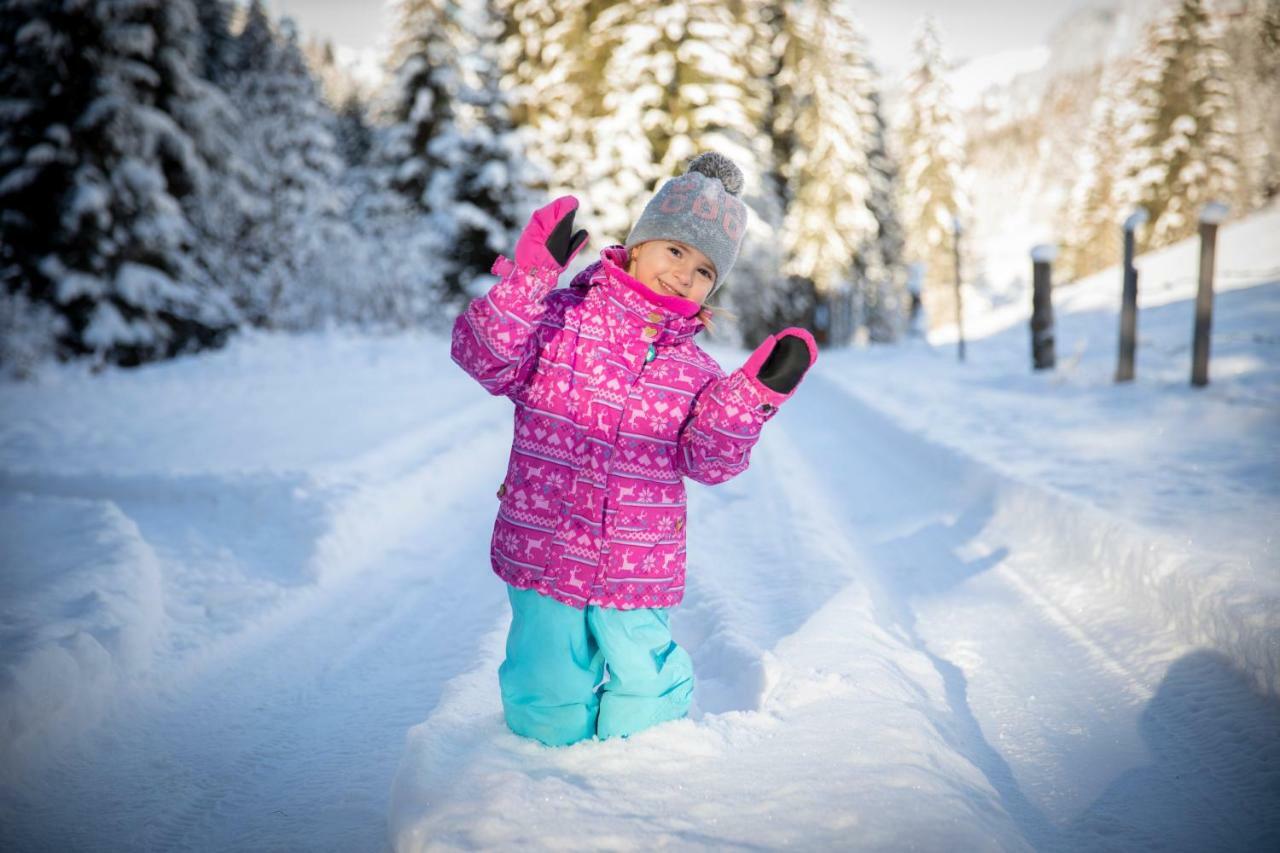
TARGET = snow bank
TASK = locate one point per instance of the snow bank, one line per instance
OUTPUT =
(1181, 542)
(1106, 572)
(1247, 255)
(265, 403)
(819, 722)
(1164, 496)
(847, 745)
(80, 614)
(158, 516)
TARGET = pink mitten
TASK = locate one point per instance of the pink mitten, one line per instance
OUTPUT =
(548, 241)
(782, 360)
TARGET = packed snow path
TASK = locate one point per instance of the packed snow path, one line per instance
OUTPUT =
(885, 652)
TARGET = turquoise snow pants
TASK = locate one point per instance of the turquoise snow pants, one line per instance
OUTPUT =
(556, 661)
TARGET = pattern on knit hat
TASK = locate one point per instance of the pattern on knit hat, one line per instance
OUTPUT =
(700, 208)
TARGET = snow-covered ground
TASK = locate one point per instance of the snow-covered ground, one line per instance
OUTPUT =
(246, 603)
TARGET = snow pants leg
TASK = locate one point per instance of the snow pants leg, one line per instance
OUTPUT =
(556, 660)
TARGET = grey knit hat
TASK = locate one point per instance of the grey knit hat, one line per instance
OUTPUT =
(700, 208)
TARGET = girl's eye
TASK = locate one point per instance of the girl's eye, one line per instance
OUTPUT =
(674, 250)
(705, 272)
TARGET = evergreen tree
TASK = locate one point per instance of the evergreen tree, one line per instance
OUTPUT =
(762, 297)
(879, 274)
(484, 192)
(233, 198)
(354, 136)
(1252, 40)
(932, 192)
(1180, 149)
(642, 88)
(674, 80)
(99, 166)
(217, 45)
(552, 67)
(1094, 210)
(397, 281)
(427, 81)
(840, 227)
(450, 150)
(289, 280)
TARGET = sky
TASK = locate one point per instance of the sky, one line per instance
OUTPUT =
(968, 28)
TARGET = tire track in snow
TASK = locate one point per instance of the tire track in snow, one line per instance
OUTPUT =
(746, 547)
(892, 489)
(1059, 698)
(286, 735)
(966, 484)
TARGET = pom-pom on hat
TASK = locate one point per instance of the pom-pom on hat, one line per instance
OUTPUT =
(700, 208)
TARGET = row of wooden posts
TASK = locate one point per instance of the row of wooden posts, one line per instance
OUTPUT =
(1042, 336)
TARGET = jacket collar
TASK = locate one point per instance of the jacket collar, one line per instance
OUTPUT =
(678, 315)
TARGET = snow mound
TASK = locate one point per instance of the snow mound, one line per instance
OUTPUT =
(849, 716)
(76, 620)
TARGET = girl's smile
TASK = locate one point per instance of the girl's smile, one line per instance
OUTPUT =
(672, 268)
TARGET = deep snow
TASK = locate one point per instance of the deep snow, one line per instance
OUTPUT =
(1008, 610)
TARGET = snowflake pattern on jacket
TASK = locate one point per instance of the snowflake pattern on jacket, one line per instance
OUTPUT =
(592, 509)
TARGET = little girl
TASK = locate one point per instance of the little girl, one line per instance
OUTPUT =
(614, 405)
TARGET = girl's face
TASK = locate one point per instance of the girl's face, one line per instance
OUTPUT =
(672, 268)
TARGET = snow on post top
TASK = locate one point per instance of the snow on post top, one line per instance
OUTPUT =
(1044, 253)
(1138, 217)
(1213, 213)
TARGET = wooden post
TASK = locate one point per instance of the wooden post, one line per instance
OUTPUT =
(1210, 218)
(1129, 300)
(915, 285)
(1042, 354)
(955, 227)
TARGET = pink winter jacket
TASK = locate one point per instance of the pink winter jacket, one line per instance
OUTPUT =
(592, 510)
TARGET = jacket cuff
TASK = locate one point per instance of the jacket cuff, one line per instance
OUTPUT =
(537, 281)
(754, 398)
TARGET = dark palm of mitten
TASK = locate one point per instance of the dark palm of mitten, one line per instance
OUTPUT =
(786, 365)
(562, 243)
(548, 241)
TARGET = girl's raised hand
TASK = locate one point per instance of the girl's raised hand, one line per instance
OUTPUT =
(549, 241)
(782, 360)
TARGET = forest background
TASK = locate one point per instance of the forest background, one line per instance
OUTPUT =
(172, 172)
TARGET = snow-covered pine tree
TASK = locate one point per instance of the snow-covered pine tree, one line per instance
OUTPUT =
(38, 156)
(397, 280)
(354, 136)
(97, 164)
(673, 75)
(295, 275)
(931, 147)
(661, 84)
(1180, 149)
(757, 292)
(768, 300)
(840, 204)
(1252, 39)
(879, 271)
(233, 198)
(450, 148)
(1094, 210)
(542, 45)
(421, 105)
(217, 44)
(485, 191)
